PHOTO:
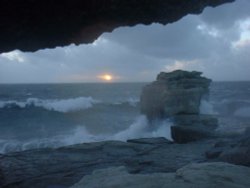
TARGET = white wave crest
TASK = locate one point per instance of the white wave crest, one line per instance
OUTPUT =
(4, 104)
(141, 128)
(63, 105)
(133, 101)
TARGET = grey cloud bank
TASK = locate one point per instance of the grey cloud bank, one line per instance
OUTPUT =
(216, 42)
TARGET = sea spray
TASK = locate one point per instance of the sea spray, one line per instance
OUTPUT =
(206, 107)
(140, 128)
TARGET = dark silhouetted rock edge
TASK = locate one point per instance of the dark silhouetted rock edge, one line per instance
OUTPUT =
(30, 25)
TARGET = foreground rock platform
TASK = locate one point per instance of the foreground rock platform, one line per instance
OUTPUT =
(145, 158)
(63, 167)
(235, 150)
(203, 175)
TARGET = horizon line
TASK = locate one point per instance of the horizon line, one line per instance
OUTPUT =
(130, 82)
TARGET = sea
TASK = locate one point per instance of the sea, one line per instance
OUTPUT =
(36, 116)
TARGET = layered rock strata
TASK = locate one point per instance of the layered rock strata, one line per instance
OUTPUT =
(235, 150)
(63, 167)
(177, 95)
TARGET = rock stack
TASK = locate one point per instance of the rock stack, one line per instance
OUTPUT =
(177, 95)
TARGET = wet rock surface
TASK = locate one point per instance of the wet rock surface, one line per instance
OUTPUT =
(203, 175)
(146, 157)
(235, 150)
(65, 166)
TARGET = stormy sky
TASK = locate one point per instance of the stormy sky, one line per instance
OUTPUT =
(217, 42)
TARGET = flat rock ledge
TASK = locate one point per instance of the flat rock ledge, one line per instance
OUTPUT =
(203, 175)
(154, 159)
(63, 167)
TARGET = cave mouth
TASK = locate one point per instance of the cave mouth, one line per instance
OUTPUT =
(89, 89)
(205, 42)
(33, 25)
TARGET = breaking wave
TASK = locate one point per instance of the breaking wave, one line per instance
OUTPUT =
(63, 105)
(141, 128)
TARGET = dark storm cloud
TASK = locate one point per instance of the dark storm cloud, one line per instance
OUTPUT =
(186, 39)
(182, 39)
(227, 15)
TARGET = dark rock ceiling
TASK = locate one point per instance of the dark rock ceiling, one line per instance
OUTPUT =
(30, 25)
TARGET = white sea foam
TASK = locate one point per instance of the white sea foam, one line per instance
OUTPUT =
(207, 108)
(133, 101)
(66, 105)
(141, 128)
(137, 129)
(78, 135)
(63, 105)
(81, 135)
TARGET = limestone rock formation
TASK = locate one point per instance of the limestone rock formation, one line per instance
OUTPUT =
(30, 25)
(178, 95)
(177, 92)
(203, 175)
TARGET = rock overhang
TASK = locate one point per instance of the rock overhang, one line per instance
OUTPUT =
(30, 25)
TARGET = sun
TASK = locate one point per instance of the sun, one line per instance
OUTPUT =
(106, 77)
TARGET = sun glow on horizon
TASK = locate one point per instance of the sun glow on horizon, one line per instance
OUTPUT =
(106, 77)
